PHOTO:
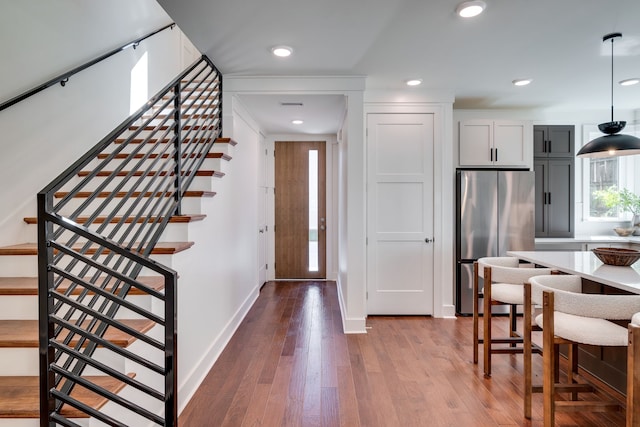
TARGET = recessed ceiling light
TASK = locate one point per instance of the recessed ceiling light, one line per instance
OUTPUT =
(629, 82)
(470, 9)
(297, 122)
(414, 82)
(281, 51)
(521, 82)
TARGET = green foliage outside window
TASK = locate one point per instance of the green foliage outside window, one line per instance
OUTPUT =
(614, 199)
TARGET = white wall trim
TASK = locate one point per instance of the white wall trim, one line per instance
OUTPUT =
(352, 325)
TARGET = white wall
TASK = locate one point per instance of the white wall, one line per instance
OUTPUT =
(44, 134)
(543, 117)
(218, 275)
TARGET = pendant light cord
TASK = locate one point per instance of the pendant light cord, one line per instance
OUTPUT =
(612, 39)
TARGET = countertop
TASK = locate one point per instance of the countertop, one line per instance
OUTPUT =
(587, 265)
(590, 239)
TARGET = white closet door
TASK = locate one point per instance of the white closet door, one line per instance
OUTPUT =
(400, 213)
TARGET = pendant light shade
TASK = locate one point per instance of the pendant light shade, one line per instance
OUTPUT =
(612, 144)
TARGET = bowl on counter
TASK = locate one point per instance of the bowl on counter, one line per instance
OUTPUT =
(624, 231)
(617, 256)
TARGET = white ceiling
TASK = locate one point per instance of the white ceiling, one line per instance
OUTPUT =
(557, 43)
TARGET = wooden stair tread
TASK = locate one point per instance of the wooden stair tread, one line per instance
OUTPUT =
(175, 219)
(185, 141)
(161, 248)
(161, 141)
(211, 155)
(29, 285)
(166, 126)
(24, 333)
(19, 396)
(121, 194)
(155, 173)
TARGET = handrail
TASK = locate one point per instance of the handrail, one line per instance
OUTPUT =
(98, 223)
(64, 78)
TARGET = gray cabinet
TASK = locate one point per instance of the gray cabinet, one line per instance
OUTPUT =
(553, 141)
(554, 207)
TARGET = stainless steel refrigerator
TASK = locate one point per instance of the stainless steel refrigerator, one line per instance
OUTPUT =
(495, 214)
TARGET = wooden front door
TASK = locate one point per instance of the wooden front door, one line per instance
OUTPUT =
(300, 232)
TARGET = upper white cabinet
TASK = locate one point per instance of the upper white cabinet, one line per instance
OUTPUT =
(495, 143)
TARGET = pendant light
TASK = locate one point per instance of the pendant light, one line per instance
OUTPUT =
(612, 144)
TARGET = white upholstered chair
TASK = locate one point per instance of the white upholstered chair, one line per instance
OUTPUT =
(502, 285)
(571, 317)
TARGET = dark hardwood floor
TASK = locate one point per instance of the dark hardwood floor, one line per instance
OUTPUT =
(289, 364)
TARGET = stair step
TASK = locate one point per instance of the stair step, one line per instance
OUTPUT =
(19, 396)
(175, 219)
(153, 173)
(187, 140)
(24, 333)
(29, 285)
(165, 156)
(161, 141)
(168, 126)
(121, 194)
(161, 248)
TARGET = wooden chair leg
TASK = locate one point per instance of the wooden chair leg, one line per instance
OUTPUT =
(549, 362)
(633, 377)
(476, 314)
(513, 325)
(527, 351)
(572, 367)
(486, 316)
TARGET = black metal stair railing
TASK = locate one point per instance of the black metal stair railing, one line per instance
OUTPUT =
(98, 222)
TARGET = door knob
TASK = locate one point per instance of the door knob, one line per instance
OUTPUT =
(428, 240)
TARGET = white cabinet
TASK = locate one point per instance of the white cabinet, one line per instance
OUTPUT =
(495, 143)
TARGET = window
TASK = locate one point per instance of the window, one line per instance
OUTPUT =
(313, 210)
(604, 173)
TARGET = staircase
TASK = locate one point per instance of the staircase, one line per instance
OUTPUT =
(107, 227)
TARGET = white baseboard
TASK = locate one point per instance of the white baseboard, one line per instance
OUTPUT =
(192, 380)
(353, 325)
(448, 312)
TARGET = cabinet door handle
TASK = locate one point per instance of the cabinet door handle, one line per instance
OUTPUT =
(549, 198)
(549, 146)
(496, 154)
(491, 153)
